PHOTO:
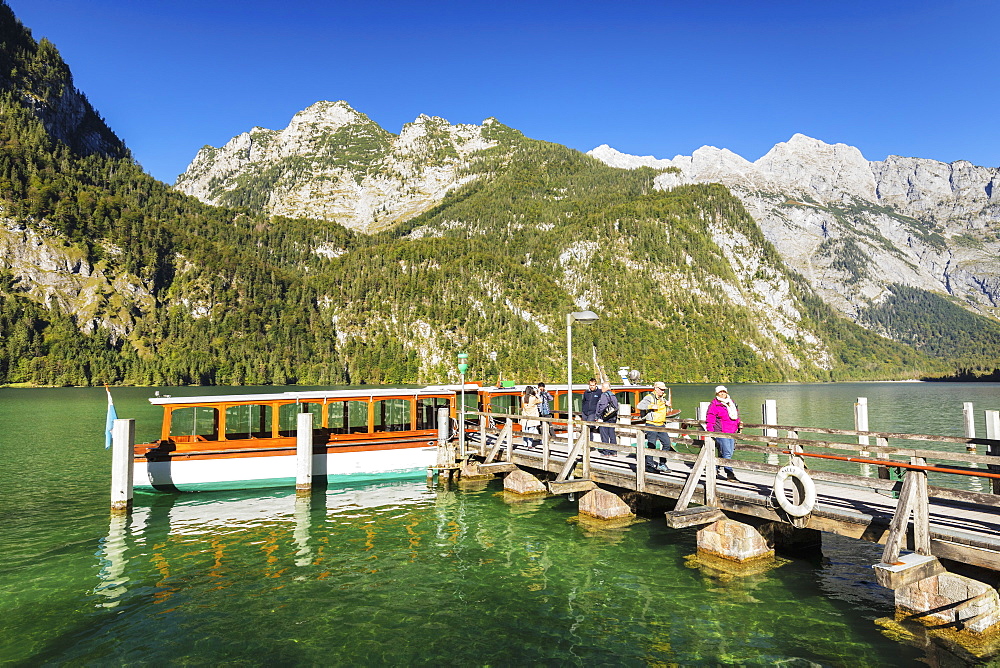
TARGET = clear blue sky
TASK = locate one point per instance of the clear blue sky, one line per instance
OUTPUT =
(914, 78)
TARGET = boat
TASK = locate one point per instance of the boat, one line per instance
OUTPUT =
(240, 441)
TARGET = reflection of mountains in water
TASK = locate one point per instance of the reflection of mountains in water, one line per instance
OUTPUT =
(205, 512)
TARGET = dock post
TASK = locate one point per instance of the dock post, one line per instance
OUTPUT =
(861, 424)
(445, 451)
(123, 445)
(769, 411)
(969, 418)
(993, 432)
(304, 454)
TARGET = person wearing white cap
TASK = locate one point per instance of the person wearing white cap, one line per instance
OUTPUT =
(656, 405)
(724, 416)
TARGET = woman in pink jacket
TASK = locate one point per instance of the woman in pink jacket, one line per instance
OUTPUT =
(724, 416)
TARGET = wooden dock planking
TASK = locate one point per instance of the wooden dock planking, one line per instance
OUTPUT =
(963, 526)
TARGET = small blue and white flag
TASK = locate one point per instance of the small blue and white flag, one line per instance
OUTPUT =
(112, 416)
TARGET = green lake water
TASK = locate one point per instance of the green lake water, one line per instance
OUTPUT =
(399, 573)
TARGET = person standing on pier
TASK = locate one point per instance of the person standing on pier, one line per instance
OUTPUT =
(724, 416)
(607, 411)
(529, 409)
(545, 408)
(656, 406)
(588, 409)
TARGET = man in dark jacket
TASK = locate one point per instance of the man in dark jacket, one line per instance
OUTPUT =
(589, 407)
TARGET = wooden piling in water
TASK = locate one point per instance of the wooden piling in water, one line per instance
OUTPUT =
(304, 454)
(969, 418)
(769, 413)
(123, 443)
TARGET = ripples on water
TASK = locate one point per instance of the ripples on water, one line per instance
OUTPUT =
(393, 574)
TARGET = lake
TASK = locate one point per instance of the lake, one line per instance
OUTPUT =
(399, 573)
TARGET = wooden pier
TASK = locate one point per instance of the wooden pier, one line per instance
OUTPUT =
(926, 529)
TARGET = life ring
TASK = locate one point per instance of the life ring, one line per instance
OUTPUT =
(806, 486)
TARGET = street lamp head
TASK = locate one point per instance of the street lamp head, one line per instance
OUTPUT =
(585, 317)
(463, 365)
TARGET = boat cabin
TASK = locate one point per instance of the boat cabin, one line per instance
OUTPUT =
(339, 417)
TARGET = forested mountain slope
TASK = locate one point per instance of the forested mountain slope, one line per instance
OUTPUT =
(107, 275)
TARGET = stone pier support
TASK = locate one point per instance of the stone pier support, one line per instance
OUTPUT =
(734, 541)
(603, 505)
(470, 471)
(951, 601)
(522, 482)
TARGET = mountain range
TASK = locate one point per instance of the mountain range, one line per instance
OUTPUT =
(334, 251)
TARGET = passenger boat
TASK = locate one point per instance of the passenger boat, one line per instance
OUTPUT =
(249, 440)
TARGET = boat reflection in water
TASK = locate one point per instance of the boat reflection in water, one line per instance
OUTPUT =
(223, 534)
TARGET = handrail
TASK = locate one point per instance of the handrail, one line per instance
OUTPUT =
(773, 441)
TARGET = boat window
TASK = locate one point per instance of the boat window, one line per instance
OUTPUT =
(506, 403)
(195, 423)
(347, 417)
(472, 401)
(248, 421)
(427, 411)
(288, 417)
(626, 397)
(561, 402)
(392, 415)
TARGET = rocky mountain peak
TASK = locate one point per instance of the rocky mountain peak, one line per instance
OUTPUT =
(335, 163)
(826, 171)
(853, 227)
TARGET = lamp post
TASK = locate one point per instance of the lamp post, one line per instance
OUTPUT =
(463, 366)
(586, 317)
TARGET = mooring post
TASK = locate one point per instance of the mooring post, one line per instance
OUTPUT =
(444, 456)
(969, 418)
(769, 412)
(861, 421)
(861, 424)
(304, 454)
(122, 447)
(993, 432)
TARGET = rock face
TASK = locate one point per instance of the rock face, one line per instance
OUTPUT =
(335, 163)
(852, 227)
(53, 273)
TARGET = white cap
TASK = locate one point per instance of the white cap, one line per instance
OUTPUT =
(721, 388)
(659, 385)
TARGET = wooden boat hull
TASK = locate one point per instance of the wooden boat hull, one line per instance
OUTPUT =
(279, 469)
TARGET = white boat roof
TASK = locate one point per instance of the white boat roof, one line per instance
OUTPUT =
(306, 395)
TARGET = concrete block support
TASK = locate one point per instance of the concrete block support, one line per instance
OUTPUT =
(734, 541)
(522, 482)
(470, 471)
(952, 601)
(603, 505)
